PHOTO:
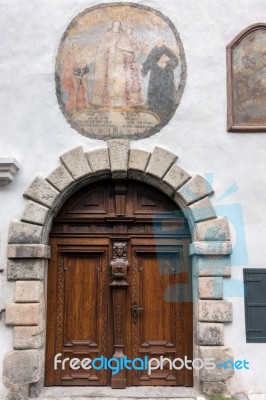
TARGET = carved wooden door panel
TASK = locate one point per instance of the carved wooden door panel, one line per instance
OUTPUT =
(79, 329)
(161, 324)
(84, 307)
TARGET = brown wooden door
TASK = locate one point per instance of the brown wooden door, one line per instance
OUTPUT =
(80, 311)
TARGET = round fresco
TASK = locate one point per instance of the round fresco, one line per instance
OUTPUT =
(120, 71)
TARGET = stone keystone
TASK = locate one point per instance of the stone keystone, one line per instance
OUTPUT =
(118, 152)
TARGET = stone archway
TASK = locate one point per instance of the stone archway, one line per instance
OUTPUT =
(28, 255)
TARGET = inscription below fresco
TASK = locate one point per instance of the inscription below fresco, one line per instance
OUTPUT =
(115, 123)
(120, 71)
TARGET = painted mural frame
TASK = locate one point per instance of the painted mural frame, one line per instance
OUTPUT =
(239, 110)
(182, 75)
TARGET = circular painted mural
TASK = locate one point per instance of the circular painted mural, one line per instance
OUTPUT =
(120, 71)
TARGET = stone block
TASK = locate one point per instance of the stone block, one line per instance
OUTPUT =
(210, 334)
(99, 160)
(35, 213)
(195, 189)
(21, 367)
(118, 153)
(215, 311)
(138, 160)
(214, 229)
(21, 232)
(28, 251)
(176, 177)
(220, 354)
(60, 178)
(210, 248)
(28, 337)
(42, 192)
(210, 287)
(26, 269)
(17, 392)
(28, 291)
(213, 388)
(76, 163)
(160, 161)
(202, 210)
(22, 314)
(211, 265)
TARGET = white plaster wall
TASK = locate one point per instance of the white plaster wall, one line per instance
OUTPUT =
(34, 131)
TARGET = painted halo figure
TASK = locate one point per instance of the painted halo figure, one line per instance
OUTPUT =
(117, 76)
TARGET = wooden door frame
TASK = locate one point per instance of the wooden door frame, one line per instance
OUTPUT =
(28, 250)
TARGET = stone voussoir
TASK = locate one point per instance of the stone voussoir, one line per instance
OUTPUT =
(35, 213)
(176, 177)
(28, 291)
(22, 232)
(210, 287)
(118, 153)
(76, 163)
(22, 314)
(28, 251)
(214, 229)
(220, 354)
(215, 311)
(99, 160)
(160, 162)
(60, 178)
(195, 189)
(210, 248)
(26, 269)
(28, 337)
(138, 160)
(42, 192)
(210, 334)
(202, 210)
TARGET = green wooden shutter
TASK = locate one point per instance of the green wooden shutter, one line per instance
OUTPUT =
(255, 304)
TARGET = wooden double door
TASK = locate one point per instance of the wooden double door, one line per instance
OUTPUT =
(93, 311)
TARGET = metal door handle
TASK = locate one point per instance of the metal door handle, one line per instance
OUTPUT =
(135, 310)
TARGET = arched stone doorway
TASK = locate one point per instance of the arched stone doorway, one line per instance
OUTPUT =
(28, 252)
(87, 317)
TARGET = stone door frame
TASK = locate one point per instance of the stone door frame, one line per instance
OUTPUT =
(28, 254)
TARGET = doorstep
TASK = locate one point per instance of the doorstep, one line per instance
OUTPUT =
(130, 393)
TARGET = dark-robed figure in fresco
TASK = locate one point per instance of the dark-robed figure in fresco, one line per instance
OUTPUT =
(161, 62)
